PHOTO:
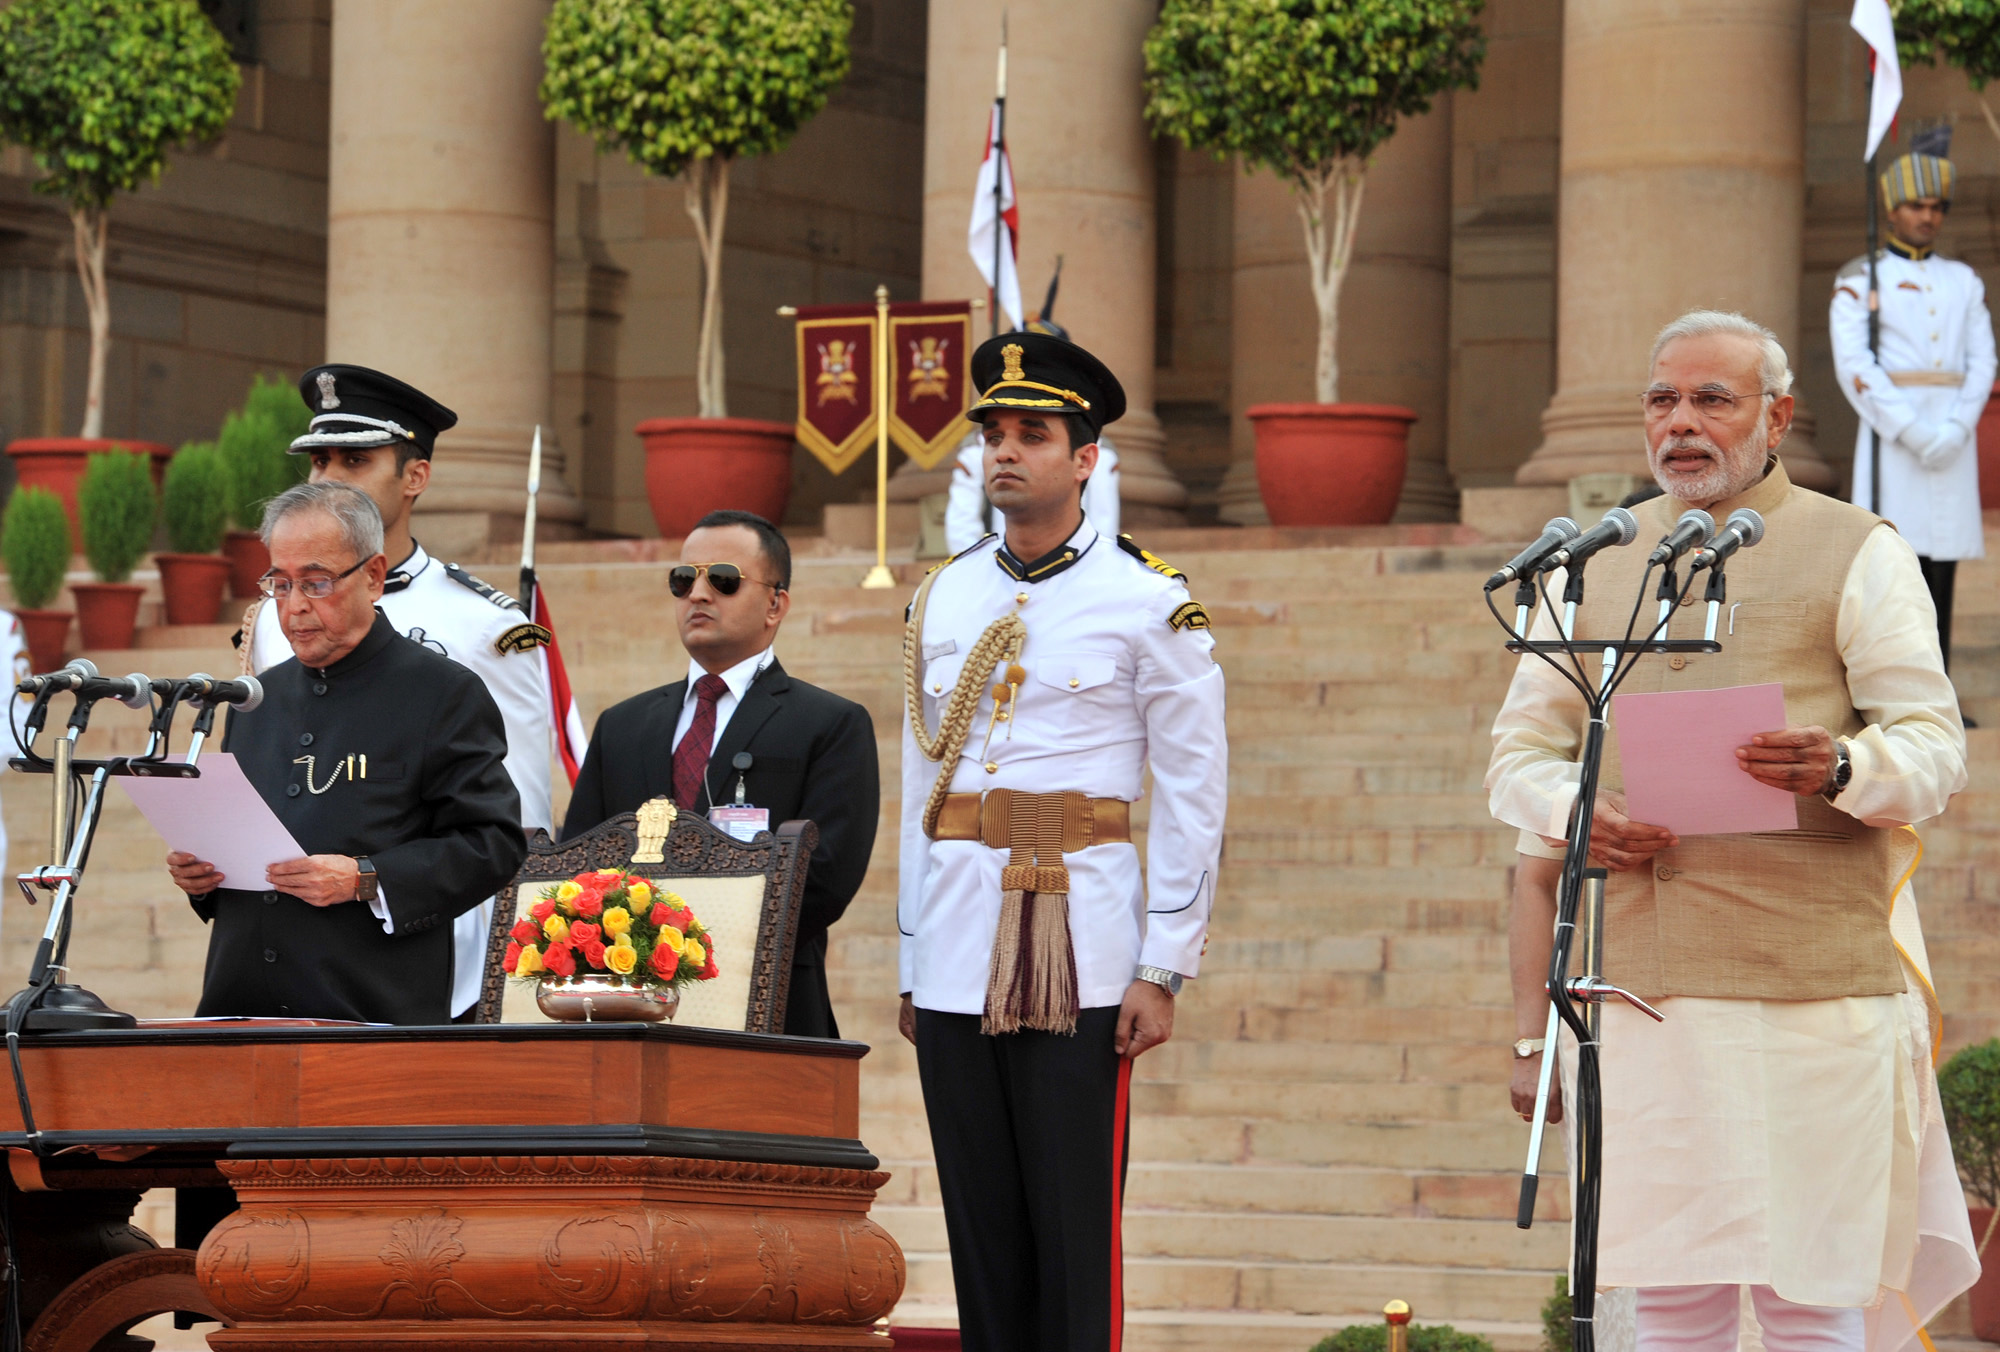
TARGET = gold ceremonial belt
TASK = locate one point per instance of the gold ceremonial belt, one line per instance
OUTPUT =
(1943, 379)
(988, 818)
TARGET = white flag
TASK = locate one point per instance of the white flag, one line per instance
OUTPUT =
(1871, 20)
(994, 166)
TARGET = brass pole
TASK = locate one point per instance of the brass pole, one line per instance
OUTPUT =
(879, 576)
(65, 749)
(1396, 1314)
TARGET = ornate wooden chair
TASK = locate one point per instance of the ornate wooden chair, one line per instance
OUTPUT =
(747, 893)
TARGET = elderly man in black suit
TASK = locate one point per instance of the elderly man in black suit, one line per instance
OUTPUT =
(750, 734)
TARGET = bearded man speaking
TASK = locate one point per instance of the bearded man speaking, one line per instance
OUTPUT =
(1779, 1130)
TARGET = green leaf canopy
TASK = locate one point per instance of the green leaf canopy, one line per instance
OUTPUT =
(100, 90)
(1966, 33)
(670, 82)
(1298, 85)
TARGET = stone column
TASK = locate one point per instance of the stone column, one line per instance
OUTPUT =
(1083, 174)
(441, 244)
(1671, 197)
(1395, 312)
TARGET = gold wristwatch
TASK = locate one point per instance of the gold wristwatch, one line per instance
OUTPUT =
(1525, 1047)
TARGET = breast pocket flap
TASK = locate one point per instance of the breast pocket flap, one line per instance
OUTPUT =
(1076, 671)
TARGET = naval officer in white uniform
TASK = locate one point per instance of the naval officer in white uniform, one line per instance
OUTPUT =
(1926, 390)
(1045, 672)
(377, 434)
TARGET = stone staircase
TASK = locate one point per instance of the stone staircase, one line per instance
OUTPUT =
(1328, 1129)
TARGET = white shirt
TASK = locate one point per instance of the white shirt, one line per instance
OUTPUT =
(450, 618)
(968, 515)
(738, 678)
(1933, 319)
(1114, 687)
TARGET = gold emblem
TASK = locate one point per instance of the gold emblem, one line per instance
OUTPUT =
(837, 381)
(1011, 354)
(656, 819)
(327, 398)
(1189, 615)
(928, 374)
(523, 638)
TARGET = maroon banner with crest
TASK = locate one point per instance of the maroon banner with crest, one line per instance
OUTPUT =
(836, 358)
(930, 367)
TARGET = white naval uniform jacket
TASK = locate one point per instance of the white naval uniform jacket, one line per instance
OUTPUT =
(1113, 685)
(1934, 319)
(450, 618)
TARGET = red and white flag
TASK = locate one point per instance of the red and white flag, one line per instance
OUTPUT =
(571, 739)
(1872, 20)
(997, 167)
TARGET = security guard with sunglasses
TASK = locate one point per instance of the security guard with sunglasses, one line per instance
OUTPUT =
(1046, 670)
(743, 742)
(376, 433)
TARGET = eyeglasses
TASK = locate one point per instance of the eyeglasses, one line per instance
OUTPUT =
(724, 577)
(317, 586)
(1714, 404)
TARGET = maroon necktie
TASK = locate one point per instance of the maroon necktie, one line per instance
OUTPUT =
(691, 756)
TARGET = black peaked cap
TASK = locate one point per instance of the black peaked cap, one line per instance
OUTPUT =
(354, 406)
(1041, 373)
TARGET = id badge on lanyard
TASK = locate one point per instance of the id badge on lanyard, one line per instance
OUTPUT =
(740, 819)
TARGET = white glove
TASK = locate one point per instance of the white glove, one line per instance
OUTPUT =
(1918, 436)
(1952, 438)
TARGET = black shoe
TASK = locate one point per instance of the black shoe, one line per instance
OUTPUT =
(1969, 720)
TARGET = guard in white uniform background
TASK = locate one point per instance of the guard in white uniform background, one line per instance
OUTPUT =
(1925, 391)
(376, 433)
(1046, 671)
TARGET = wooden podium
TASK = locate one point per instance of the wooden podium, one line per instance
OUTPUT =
(469, 1187)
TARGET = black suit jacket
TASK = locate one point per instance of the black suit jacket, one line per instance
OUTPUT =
(813, 759)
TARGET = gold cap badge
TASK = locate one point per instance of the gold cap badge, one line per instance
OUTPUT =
(327, 398)
(1011, 354)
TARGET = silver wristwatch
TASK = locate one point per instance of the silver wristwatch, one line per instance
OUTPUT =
(1170, 982)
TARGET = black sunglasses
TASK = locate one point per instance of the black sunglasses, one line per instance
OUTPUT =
(726, 578)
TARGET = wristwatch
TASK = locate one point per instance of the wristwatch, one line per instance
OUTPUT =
(1170, 982)
(367, 887)
(1526, 1047)
(1843, 770)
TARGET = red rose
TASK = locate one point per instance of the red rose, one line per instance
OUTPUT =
(542, 909)
(593, 953)
(665, 962)
(682, 919)
(513, 958)
(560, 959)
(660, 914)
(526, 931)
(710, 972)
(590, 904)
(583, 932)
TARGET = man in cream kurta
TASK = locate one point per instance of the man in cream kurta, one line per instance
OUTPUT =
(1789, 1144)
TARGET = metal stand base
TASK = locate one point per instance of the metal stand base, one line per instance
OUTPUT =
(72, 1009)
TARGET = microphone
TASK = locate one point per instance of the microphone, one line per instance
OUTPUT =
(1695, 527)
(1743, 529)
(1559, 532)
(1619, 527)
(205, 691)
(54, 681)
(134, 691)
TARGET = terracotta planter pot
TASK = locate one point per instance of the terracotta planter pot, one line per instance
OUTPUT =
(1985, 1294)
(1987, 437)
(47, 635)
(56, 463)
(1331, 464)
(695, 466)
(248, 561)
(108, 613)
(192, 586)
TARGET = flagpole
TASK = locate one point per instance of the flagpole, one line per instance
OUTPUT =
(1874, 306)
(879, 576)
(999, 168)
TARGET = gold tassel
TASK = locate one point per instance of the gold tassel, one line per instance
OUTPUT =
(1031, 982)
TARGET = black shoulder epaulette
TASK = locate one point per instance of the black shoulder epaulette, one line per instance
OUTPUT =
(1150, 559)
(473, 584)
(910, 608)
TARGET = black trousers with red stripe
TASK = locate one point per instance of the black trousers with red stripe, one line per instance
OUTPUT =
(1030, 1133)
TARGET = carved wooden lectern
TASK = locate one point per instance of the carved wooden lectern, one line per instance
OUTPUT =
(480, 1186)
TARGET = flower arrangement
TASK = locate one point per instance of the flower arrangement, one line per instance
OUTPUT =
(613, 923)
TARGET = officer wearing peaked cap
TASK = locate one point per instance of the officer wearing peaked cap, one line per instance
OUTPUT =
(1925, 389)
(1047, 669)
(377, 433)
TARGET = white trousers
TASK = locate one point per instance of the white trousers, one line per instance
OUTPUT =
(1704, 1319)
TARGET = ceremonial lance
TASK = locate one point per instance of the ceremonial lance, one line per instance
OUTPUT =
(527, 596)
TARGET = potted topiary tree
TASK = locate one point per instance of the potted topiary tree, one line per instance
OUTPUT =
(100, 90)
(195, 507)
(686, 87)
(34, 536)
(253, 445)
(1310, 89)
(118, 505)
(1969, 1093)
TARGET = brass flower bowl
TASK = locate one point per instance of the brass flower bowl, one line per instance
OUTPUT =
(603, 999)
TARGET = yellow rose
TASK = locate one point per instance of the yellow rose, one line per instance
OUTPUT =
(641, 896)
(616, 920)
(529, 963)
(670, 939)
(556, 928)
(673, 899)
(566, 896)
(609, 873)
(695, 953)
(621, 958)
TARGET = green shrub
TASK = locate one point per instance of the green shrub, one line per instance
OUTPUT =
(1969, 1092)
(253, 446)
(116, 506)
(1374, 1337)
(195, 499)
(1558, 1333)
(34, 535)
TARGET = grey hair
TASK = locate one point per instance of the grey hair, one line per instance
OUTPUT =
(1774, 370)
(351, 509)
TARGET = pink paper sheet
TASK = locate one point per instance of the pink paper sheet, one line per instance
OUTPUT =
(1678, 752)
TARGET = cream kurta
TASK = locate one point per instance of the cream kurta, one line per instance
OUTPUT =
(1792, 1144)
